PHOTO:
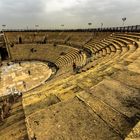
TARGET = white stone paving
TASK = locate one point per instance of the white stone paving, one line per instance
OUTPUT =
(13, 76)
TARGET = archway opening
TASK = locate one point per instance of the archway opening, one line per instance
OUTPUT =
(3, 54)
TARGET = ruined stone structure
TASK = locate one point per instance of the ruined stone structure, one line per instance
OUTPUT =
(93, 93)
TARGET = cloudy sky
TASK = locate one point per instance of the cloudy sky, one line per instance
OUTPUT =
(71, 13)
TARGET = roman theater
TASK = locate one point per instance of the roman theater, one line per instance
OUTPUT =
(70, 84)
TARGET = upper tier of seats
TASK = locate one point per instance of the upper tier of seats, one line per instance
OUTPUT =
(48, 37)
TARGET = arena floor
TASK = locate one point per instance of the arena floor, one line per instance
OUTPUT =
(21, 77)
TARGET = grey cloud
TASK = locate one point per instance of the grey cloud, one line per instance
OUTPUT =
(18, 7)
(19, 13)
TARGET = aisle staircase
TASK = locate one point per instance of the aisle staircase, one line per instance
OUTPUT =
(14, 127)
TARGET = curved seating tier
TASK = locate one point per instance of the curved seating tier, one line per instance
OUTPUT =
(115, 42)
(100, 102)
(50, 53)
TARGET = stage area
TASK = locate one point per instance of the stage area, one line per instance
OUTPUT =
(21, 77)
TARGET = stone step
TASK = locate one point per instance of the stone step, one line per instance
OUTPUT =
(14, 127)
(121, 97)
(15, 133)
(11, 120)
(135, 66)
(134, 55)
(116, 120)
(41, 104)
(69, 120)
(129, 78)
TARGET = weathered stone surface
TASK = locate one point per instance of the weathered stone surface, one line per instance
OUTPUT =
(101, 102)
(14, 127)
(69, 120)
(121, 97)
(119, 122)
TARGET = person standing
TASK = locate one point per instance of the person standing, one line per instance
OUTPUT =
(24, 85)
(74, 67)
(19, 63)
(29, 72)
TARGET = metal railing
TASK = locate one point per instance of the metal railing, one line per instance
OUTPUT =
(135, 28)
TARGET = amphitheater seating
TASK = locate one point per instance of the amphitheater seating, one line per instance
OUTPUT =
(29, 37)
(79, 39)
(46, 52)
(97, 87)
(49, 53)
(51, 37)
(100, 102)
(13, 119)
(112, 43)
